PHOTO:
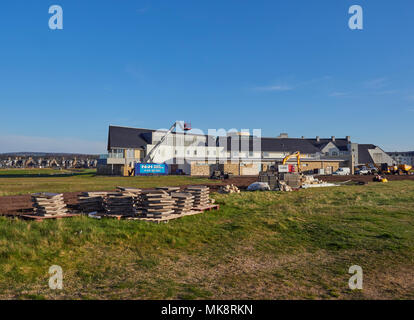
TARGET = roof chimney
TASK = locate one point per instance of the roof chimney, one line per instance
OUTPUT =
(318, 139)
(333, 138)
(303, 137)
(348, 138)
(283, 135)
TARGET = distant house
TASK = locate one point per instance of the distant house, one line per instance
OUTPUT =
(333, 147)
(403, 157)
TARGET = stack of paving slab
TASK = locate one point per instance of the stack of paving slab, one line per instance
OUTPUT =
(136, 196)
(119, 204)
(169, 189)
(157, 204)
(92, 201)
(49, 204)
(201, 195)
(183, 202)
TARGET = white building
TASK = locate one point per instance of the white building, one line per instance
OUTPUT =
(237, 152)
(403, 157)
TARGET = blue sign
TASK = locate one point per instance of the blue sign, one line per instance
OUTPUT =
(102, 162)
(151, 169)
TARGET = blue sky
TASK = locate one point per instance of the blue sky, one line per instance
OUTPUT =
(282, 66)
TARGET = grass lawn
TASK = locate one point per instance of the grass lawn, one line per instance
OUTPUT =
(264, 245)
(21, 181)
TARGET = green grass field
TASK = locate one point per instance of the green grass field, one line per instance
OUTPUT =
(20, 181)
(264, 245)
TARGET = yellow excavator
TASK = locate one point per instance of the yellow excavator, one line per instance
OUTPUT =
(405, 168)
(295, 154)
(395, 169)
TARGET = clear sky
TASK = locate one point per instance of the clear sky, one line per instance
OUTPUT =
(282, 66)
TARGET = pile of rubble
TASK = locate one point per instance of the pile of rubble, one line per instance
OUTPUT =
(283, 186)
(310, 180)
(296, 181)
(229, 189)
(290, 181)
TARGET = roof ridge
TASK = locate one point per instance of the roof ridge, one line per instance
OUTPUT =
(115, 126)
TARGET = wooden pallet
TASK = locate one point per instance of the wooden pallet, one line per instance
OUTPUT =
(41, 218)
(208, 208)
(165, 219)
(114, 216)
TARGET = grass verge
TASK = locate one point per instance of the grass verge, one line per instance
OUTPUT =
(264, 245)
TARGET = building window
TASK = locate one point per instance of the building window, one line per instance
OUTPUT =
(334, 153)
(130, 153)
(188, 152)
(208, 152)
(116, 153)
(195, 152)
(250, 153)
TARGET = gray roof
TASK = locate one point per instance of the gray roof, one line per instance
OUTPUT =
(138, 138)
(275, 145)
(363, 154)
(341, 143)
(124, 137)
(288, 145)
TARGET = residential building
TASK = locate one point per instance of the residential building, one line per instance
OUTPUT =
(406, 157)
(238, 153)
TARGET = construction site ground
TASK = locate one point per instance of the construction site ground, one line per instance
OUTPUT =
(22, 204)
(259, 245)
(18, 204)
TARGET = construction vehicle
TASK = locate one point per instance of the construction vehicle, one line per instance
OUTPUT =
(220, 175)
(404, 168)
(185, 127)
(401, 169)
(384, 168)
(295, 154)
(378, 178)
(281, 173)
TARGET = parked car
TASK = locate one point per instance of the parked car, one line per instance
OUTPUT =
(373, 171)
(363, 171)
(342, 172)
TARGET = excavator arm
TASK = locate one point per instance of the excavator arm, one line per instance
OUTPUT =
(297, 155)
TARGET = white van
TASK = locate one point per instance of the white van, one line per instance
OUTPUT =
(342, 172)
